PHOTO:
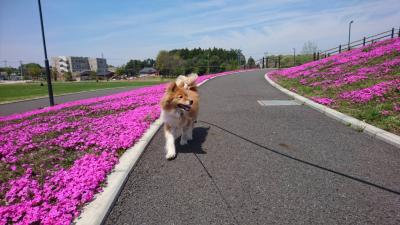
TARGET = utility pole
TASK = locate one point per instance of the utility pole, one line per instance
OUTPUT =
(21, 66)
(238, 60)
(208, 63)
(266, 59)
(5, 63)
(102, 56)
(349, 34)
(262, 67)
(294, 56)
(46, 61)
(239, 57)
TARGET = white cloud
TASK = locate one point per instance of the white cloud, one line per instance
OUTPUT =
(328, 28)
(254, 26)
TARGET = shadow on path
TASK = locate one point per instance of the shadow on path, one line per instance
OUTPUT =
(195, 145)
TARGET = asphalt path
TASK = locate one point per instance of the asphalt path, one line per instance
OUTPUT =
(252, 164)
(27, 105)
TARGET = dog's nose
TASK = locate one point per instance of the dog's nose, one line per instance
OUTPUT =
(191, 102)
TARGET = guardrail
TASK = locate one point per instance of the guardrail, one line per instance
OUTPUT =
(276, 61)
(358, 43)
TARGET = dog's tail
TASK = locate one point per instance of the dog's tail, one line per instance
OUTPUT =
(187, 81)
(191, 79)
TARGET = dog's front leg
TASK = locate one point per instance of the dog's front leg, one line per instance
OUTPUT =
(169, 141)
(184, 136)
(190, 131)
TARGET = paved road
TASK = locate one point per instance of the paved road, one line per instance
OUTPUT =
(222, 179)
(23, 106)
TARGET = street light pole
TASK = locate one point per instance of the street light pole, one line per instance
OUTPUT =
(266, 60)
(21, 69)
(208, 63)
(46, 61)
(294, 56)
(349, 34)
(238, 58)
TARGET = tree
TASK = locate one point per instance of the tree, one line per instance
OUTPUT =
(93, 75)
(184, 61)
(242, 58)
(309, 48)
(215, 64)
(133, 67)
(200, 65)
(67, 76)
(33, 70)
(170, 63)
(148, 63)
(54, 73)
(162, 62)
(177, 65)
(120, 70)
(251, 63)
(9, 70)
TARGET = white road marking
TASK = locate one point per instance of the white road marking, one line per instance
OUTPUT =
(277, 102)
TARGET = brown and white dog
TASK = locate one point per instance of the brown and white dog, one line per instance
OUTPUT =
(179, 110)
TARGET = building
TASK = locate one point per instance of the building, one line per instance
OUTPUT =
(78, 64)
(112, 69)
(98, 65)
(148, 71)
(3, 75)
(15, 76)
(60, 64)
(79, 67)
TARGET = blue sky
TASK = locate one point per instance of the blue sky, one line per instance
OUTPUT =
(124, 30)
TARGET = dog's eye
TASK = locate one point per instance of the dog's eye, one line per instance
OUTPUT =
(180, 96)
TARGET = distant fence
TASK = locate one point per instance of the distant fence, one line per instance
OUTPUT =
(284, 60)
(280, 61)
(355, 44)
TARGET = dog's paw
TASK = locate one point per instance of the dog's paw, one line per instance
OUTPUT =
(170, 155)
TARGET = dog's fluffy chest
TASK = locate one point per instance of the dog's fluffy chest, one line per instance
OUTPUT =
(175, 118)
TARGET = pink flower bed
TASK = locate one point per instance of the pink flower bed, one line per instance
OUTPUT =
(366, 94)
(55, 159)
(343, 77)
(323, 101)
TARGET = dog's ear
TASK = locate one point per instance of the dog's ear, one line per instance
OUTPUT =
(172, 87)
(180, 83)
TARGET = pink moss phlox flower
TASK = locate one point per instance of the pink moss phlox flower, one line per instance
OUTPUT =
(366, 94)
(323, 101)
(396, 107)
(95, 129)
(377, 63)
(350, 58)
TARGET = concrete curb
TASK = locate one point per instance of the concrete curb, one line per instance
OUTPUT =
(96, 211)
(354, 123)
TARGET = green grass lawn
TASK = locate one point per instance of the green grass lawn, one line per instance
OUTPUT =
(14, 92)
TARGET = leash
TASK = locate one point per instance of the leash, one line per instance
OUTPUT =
(229, 207)
(303, 161)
